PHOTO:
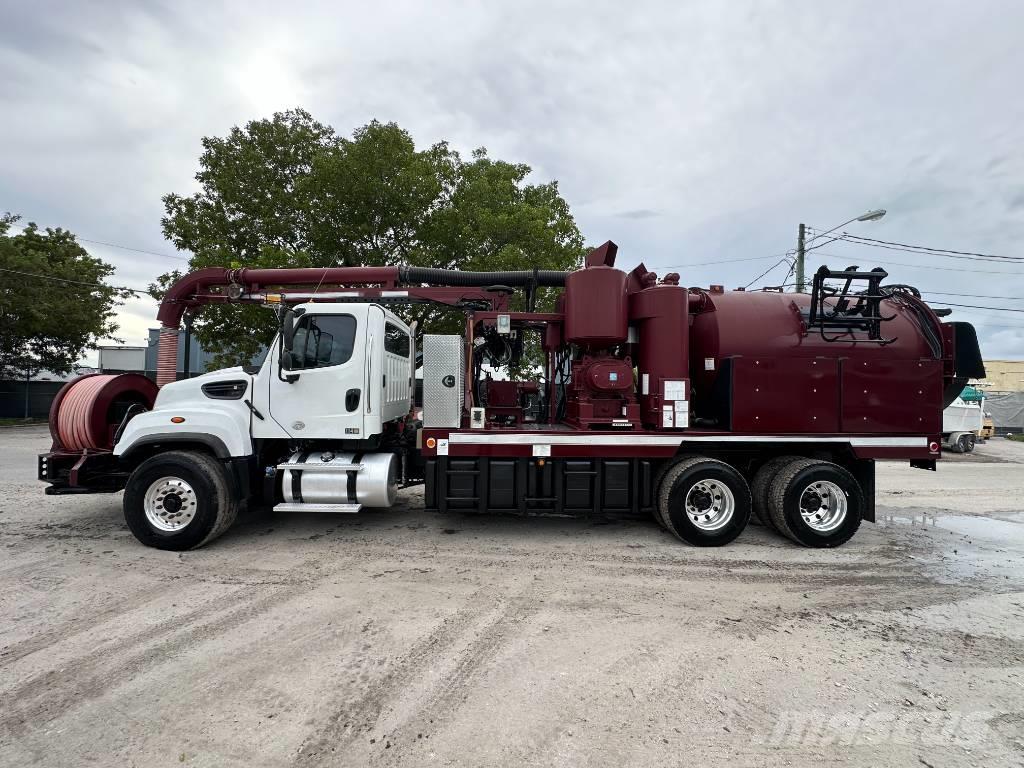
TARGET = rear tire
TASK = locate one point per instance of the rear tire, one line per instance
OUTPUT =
(759, 489)
(179, 500)
(658, 477)
(816, 503)
(972, 440)
(704, 502)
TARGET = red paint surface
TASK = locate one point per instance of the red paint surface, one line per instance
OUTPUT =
(83, 416)
(596, 310)
(660, 314)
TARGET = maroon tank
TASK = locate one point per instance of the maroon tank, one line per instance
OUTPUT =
(755, 366)
(660, 316)
(596, 311)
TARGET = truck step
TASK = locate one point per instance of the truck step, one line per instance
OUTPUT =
(296, 507)
(322, 467)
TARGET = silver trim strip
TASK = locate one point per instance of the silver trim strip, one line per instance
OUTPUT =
(350, 509)
(296, 467)
(491, 438)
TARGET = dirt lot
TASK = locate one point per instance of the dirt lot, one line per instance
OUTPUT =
(401, 637)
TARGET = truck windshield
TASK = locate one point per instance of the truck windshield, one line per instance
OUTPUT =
(323, 340)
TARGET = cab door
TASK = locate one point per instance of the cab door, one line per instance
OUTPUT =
(327, 397)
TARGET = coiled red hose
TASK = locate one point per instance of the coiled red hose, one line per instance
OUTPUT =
(87, 411)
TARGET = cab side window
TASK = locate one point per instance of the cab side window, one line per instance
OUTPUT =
(396, 341)
(323, 340)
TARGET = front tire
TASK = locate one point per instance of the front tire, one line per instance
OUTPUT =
(704, 502)
(816, 503)
(179, 500)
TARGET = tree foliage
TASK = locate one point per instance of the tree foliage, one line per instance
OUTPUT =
(287, 191)
(53, 303)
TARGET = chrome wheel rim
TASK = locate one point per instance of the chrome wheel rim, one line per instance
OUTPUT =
(169, 504)
(710, 505)
(823, 506)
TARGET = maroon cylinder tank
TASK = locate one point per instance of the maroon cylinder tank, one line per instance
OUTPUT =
(755, 366)
(596, 309)
(663, 356)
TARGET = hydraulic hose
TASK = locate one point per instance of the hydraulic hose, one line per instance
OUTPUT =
(87, 410)
(459, 279)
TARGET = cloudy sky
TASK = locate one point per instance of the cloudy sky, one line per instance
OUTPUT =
(688, 132)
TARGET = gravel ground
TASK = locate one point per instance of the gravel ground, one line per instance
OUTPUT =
(399, 637)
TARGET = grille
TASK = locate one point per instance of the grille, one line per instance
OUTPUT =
(225, 390)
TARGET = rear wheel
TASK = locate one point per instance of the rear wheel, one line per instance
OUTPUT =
(816, 503)
(704, 502)
(178, 500)
(658, 477)
(972, 440)
(759, 489)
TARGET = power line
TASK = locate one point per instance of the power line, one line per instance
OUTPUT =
(976, 306)
(929, 266)
(720, 261)
(922, 250)
(118, 245)
(129, 248)
(970, 295)
(75, 282)
(773, 266)
(949, 251)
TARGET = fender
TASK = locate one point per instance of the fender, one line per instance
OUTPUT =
(225, 433)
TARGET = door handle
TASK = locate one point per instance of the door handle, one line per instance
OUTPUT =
(352, 400)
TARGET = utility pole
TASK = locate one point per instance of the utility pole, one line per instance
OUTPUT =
(801, 244)
(800, 253)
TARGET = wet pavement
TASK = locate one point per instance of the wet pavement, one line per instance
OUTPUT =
(400, 637)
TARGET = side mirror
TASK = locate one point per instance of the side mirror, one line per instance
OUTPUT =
(287, 332)
(288, 341)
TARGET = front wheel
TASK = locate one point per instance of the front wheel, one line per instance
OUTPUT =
(178, 500)
(704, 502)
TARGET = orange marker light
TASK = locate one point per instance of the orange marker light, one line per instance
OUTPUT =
(431, 442)
(177, 419)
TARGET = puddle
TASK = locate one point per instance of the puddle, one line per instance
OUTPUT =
(966, 546)
(1008, 530)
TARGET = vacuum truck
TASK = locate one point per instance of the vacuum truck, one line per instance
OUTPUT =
(651, 398)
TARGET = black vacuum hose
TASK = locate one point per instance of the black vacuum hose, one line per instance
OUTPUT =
(459, 279)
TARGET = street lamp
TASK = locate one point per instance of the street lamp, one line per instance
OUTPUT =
(801, 251)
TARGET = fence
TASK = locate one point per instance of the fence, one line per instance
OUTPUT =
(14, 403)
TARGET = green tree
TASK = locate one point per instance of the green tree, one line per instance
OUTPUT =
(287, 191)
(53, 303)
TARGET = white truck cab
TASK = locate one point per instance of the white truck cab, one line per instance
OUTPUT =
(340, 372)
(347, 371)
(317, 426)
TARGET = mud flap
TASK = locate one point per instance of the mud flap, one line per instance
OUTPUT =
(864, 471)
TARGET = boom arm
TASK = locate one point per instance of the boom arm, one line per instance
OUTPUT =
(216, 285)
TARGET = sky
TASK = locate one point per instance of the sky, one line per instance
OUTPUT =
(693, 134)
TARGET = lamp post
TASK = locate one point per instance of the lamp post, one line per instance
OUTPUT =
(801, 242)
